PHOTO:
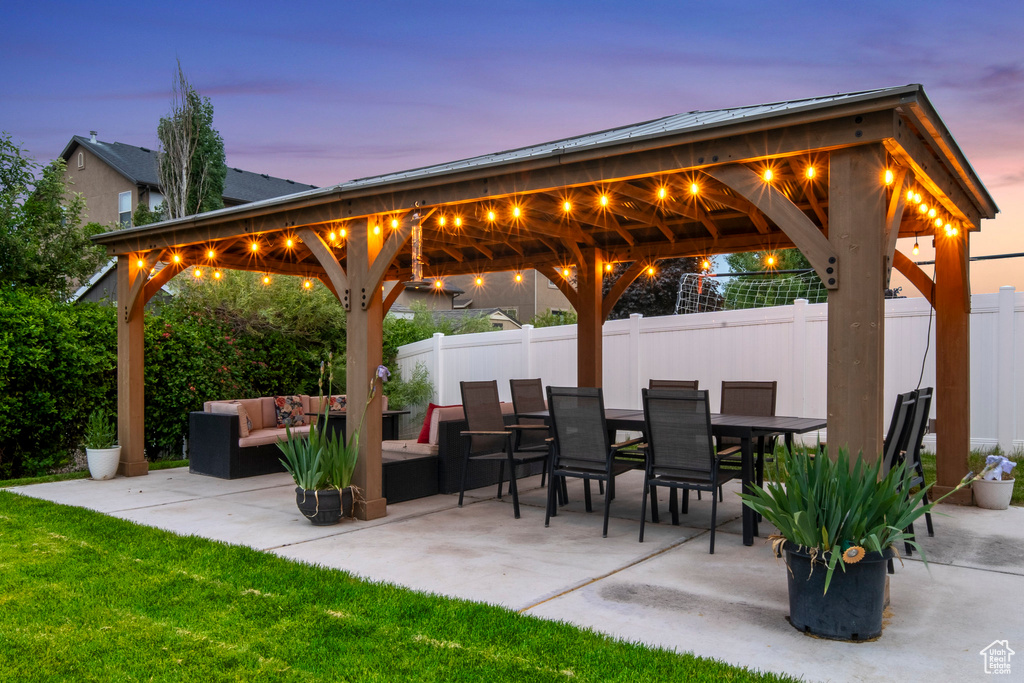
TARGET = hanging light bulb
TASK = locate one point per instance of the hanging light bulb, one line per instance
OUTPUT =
(376, 229)
(289, 243)
(705, 264)
(519, 277)
(607, 267)
(910, 195)
(770, 260)
(394, 224)
(216, 275)
(650, 271)
(490, 216)
(438, 284)
(662, 192)
(810, 172)
(889, 176)
(565, 272)
(694, 188)
(768, 175)
(458, 221)
(604, 200)
(254, 246)
(333, 236)
(140, 263)
(479, 281)
(917, 249)
(567, 206)
(176, 258)
(308, 284)
(516, 212)
(343, 233)
(266, 279)
(441, 221)
(197, 273)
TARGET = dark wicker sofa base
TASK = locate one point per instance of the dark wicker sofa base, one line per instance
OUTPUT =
(214, 450)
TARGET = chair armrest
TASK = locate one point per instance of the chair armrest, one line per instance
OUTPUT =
(504, 433)
(544, 427)
(626, 444)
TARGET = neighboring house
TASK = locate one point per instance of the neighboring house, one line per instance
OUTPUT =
(519, 300)
(497, 317)
(114, 178)
(435, 298)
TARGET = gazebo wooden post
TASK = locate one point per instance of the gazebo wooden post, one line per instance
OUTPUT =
(856, 309)
(364, 352)
(952, 363)
(131, 399)
(590, 319)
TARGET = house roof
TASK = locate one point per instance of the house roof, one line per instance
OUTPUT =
(139, 165)
(458, 315)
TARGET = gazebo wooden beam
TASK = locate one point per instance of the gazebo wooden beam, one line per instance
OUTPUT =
(558, 281)
(902, 179)
(915, 275)
(790, 219)
(627, 278)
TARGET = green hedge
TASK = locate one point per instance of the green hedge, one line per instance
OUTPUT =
(59, 361)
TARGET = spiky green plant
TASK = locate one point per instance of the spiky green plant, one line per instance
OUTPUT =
(100, 430)
(825, 506)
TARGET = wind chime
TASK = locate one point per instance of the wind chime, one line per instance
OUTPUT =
(417, 248)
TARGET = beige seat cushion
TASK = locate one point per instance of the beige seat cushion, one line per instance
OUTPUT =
(406, 448)
(261, 437)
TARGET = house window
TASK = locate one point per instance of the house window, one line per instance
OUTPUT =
(512, 312)
(81, 160)
(124, 209)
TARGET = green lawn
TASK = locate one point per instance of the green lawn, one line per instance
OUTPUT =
(83, 474)
(976, 463)
(89, 597)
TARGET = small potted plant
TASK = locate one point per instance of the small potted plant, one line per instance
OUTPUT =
(833, 514)
(322, 464)
(100, 441)
(994, 490)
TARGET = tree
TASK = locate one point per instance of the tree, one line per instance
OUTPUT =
(551, 318)
(192, 168)
(43, 244)
(770, 289)
(754, 261)
(651, 295)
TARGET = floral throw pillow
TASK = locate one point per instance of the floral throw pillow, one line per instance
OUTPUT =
(289, 411)
(338, 402)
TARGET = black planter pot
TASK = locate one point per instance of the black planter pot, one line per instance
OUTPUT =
(324, 507)
(852, 608)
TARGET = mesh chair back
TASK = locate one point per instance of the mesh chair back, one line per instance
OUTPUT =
(918, 423)
(746, 398)
(483, 414)
(528, 397)
(896, 438)
(689, 384)
(577, 420)
(679, 434)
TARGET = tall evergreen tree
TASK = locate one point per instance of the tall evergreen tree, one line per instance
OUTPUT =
(651, 295)
(192, 168)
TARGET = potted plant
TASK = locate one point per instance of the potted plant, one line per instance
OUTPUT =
(994, 490)
(100, 440)
(833, 514)
(322, 464)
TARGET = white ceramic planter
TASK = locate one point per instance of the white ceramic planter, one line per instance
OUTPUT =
(103, 461)
(992, 495)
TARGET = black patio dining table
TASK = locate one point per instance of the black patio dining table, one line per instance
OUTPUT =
(746, 428)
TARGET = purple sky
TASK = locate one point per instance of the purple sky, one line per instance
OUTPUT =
(326, 94)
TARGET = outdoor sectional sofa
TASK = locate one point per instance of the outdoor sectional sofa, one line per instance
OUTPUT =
(410, 470)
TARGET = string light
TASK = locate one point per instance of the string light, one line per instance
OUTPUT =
(394, 224)
(770, 260)
(519, 277)
(910, 195)
(458, 221)
(140, 263)
(479, 281)
(177, 258)
(438, 284)
(376, 229)
(197, 273)
(917, 249)
(211, 254)
(289, 243)
(768, 175)
(308, 284)
(889, 176)
(607, 267)
(705, 265)
(810, 172)
(333, 236)
(442, 221)
(516, 212)
(254, 246)
(490, 216)
(662, 192)
(216, 275)
(604, 200)
(565, 272)
(938, 222)
(266, 279)
(567, 206)
(923, 208)
(694, 188)
(650, 271)
(917, 197)
(343, 233)
(931, 213)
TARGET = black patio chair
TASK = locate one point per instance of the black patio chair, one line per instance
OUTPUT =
(489, 438)
(528, 397)
(680, 450)
(897, 437)
(910, 452)
(690, 384)
(581, 445)
(747, 398)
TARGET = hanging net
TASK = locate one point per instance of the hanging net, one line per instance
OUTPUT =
(700, 292)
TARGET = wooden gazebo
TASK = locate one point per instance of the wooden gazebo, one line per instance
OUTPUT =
(840, 177)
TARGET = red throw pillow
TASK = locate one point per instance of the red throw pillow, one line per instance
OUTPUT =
(424, 436)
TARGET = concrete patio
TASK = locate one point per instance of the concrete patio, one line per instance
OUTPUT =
(667, 592)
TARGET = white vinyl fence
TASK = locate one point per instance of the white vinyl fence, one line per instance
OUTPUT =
(783, 343)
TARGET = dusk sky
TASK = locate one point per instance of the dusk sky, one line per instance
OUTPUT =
(326, 93)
